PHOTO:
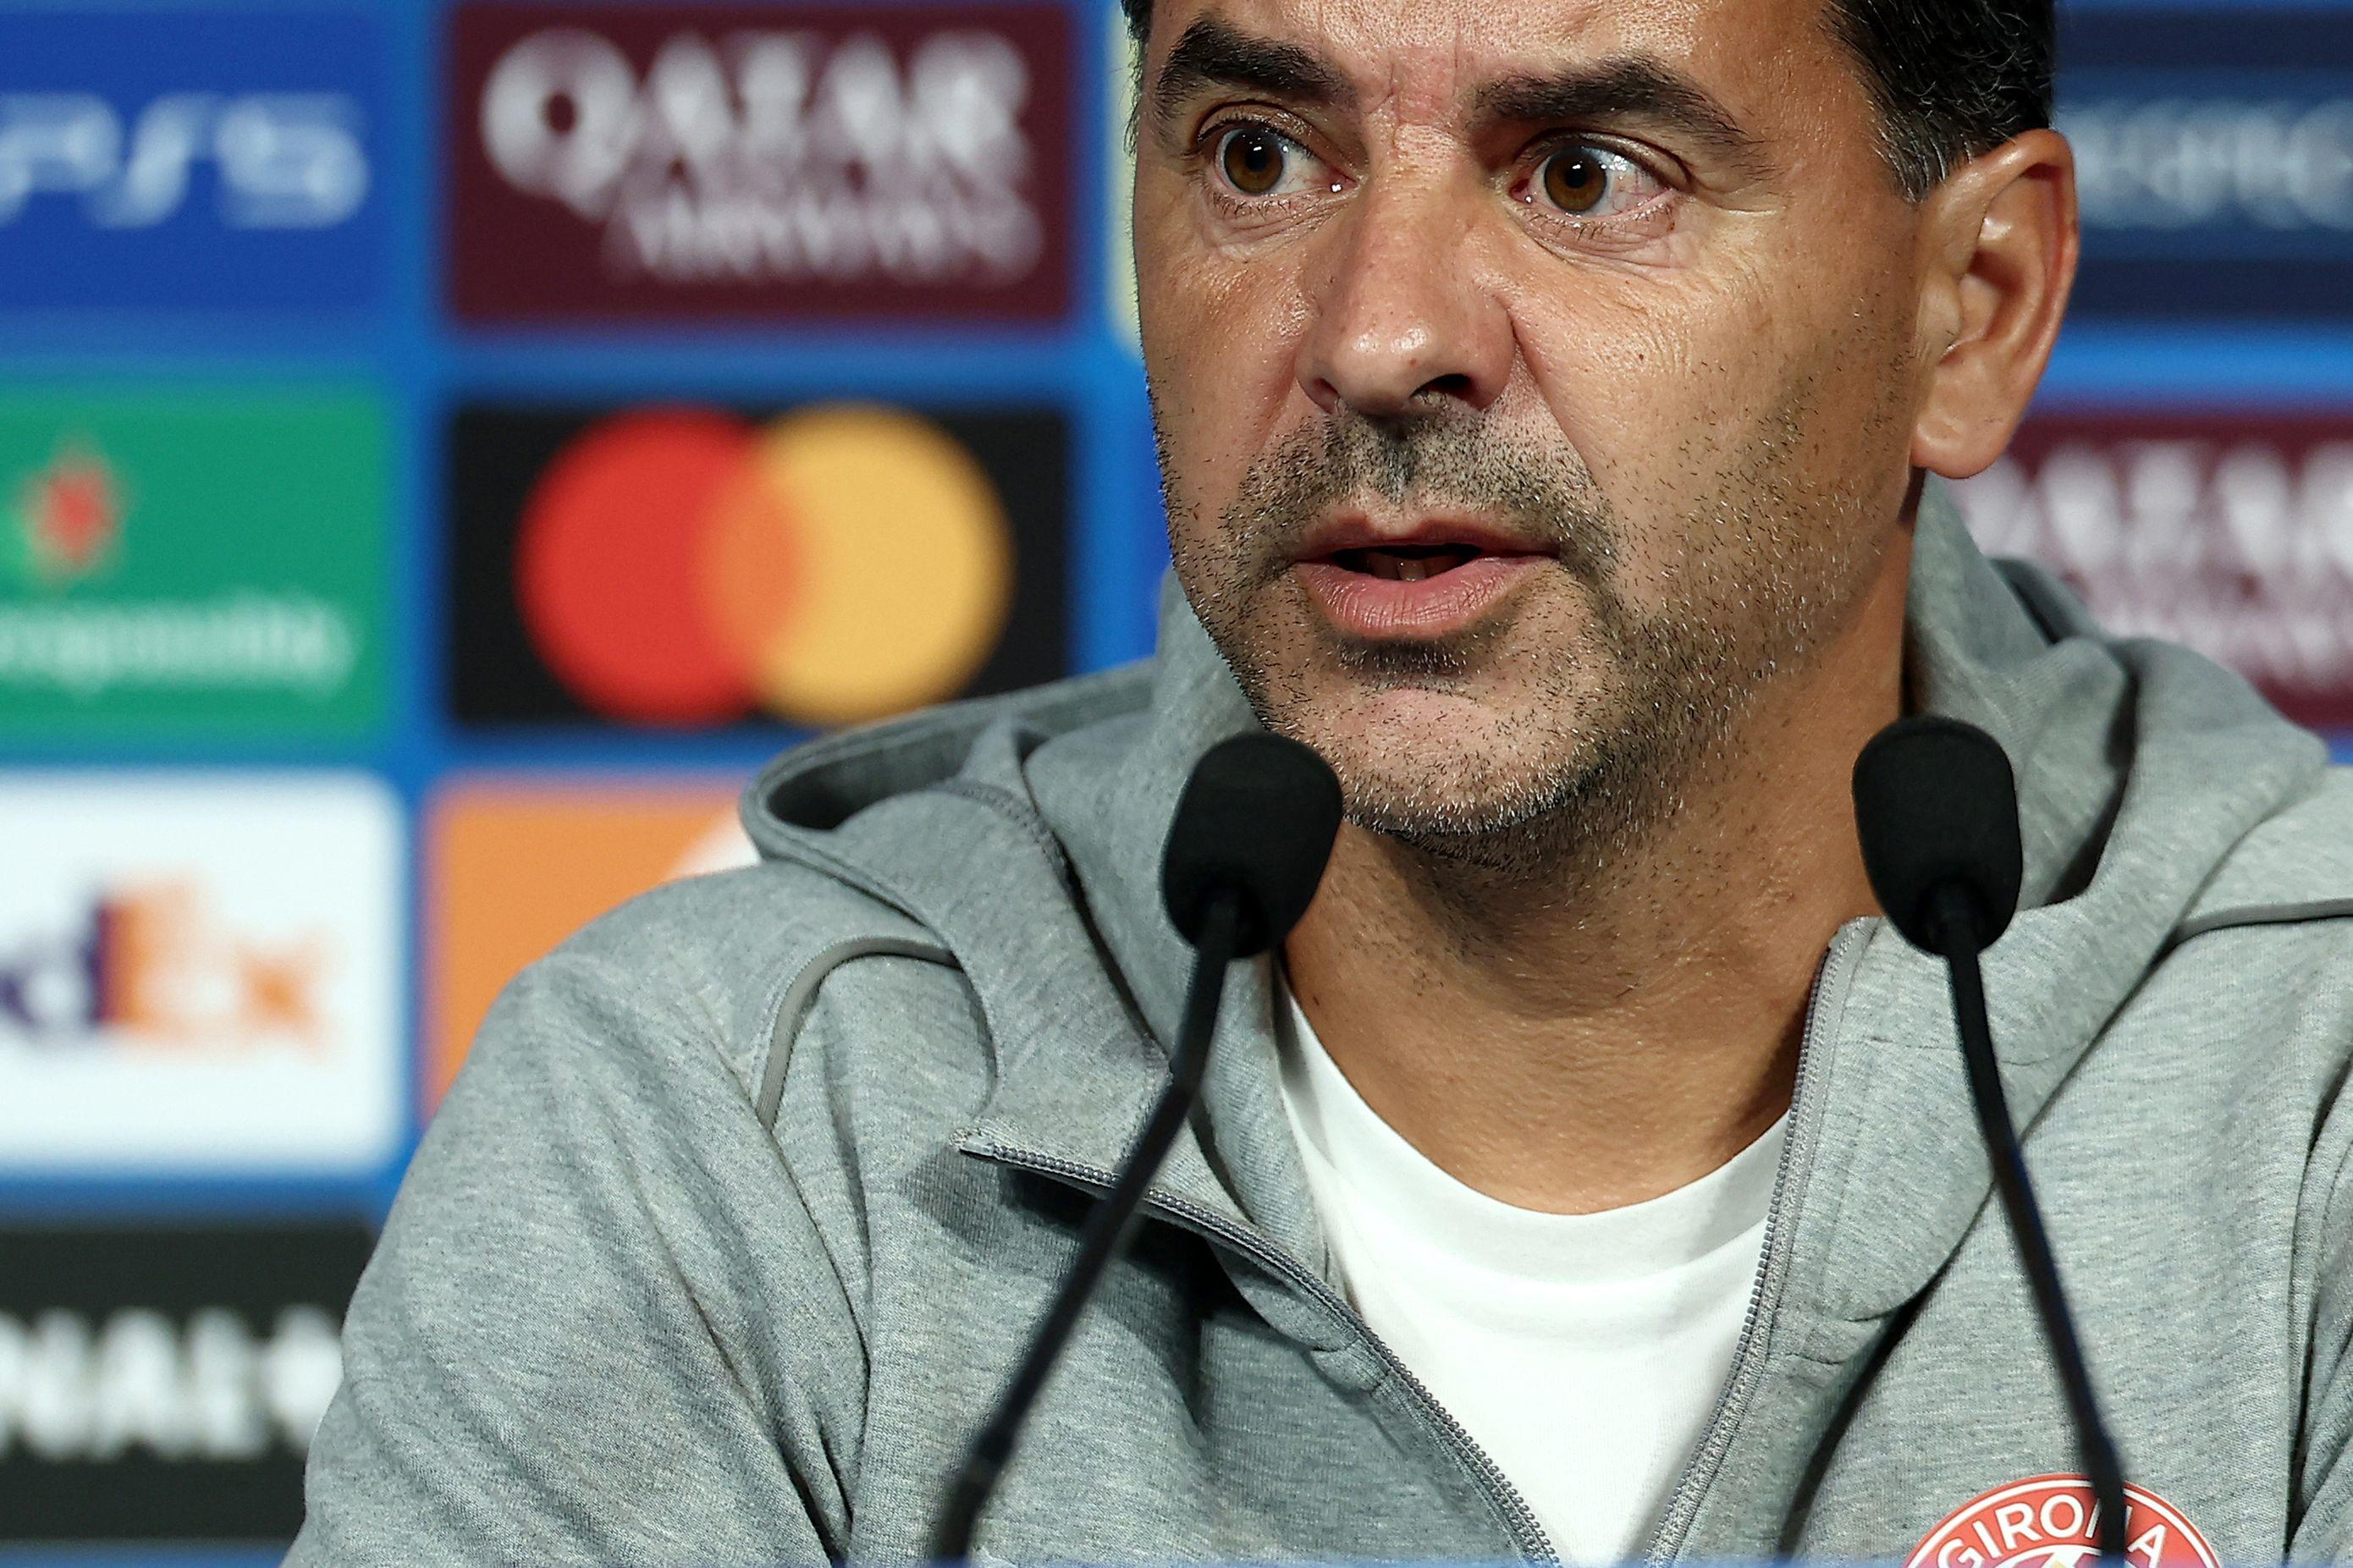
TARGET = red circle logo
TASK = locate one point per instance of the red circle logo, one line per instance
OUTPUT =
(841, 563)
(2050, 1521)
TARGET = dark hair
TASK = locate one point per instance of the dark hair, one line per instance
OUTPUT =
(1951, 77)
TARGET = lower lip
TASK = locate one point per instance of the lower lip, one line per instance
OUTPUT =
(1359, 605)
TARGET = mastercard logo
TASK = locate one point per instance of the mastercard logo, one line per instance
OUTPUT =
(687, 567)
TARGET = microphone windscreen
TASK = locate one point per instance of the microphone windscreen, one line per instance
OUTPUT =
(1935, 801)
(1257, 817)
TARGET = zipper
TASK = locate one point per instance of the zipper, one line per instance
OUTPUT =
(1773, 1267)
(1535, 1542)
(1216, 1227)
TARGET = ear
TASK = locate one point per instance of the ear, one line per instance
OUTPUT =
(2000, 242)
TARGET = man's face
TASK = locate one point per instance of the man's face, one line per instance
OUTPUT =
(1532, 379)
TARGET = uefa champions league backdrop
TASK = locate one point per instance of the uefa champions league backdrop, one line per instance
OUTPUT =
(444, 446)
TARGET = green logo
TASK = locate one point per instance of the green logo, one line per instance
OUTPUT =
(191, 564)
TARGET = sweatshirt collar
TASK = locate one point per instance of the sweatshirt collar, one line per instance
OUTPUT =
(1108, 792)
(2141, 766)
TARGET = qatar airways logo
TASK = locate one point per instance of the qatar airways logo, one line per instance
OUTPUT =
(775, 155)
(2229, 533)
(732, 160)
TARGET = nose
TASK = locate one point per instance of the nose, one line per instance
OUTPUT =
(1400, 315)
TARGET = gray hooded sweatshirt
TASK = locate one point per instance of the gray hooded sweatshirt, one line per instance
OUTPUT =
(740, 1213)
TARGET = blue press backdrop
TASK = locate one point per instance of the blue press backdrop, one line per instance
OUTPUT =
(2219, 286)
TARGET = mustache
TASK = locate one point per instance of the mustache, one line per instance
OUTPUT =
(1459, 462)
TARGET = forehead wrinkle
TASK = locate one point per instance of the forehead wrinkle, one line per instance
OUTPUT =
(1418, 60)
(1634, 86)
(1214, 52)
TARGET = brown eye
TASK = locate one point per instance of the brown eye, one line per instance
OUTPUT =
(1576, 179)
(1251, 158)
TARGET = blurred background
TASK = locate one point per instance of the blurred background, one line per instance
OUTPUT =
(446, 446)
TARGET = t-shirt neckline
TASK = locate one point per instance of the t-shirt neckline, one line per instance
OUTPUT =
(1349, 1143)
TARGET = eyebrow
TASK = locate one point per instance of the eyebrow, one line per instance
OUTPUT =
(1213, 54)
(1622, 88)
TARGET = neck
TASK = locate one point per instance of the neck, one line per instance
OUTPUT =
(1573, 1042)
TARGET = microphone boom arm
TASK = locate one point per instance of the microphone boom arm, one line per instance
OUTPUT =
(1108, 1227)
(1956, 923)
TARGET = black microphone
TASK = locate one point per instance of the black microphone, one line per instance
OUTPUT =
(1935, 805)
(1245, 852)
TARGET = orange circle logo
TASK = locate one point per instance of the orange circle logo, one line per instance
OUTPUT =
(687, 566)
(2050, 1522)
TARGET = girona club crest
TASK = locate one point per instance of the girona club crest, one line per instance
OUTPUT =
(2049, 1521)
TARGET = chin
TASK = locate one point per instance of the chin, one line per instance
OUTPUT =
(1412, 759)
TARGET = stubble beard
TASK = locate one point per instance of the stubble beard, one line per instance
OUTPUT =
(1621, 718)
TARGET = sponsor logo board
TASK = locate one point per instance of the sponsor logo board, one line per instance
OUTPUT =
(190, 563)
(697, 566)
(517, 866)
(190, 159)
(160, 1383)
(2215, 160)
(197, 975)
(2232, 533)
(760, 161)
(2051, 1522)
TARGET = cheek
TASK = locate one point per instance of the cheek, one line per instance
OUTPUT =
(1221, 340)
(1655, 386)
(1745, 388)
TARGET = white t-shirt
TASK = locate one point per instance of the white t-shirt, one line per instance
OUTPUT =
(1584, 1353)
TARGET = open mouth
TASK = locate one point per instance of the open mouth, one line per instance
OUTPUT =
(1415, 588)
(1405, 563)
